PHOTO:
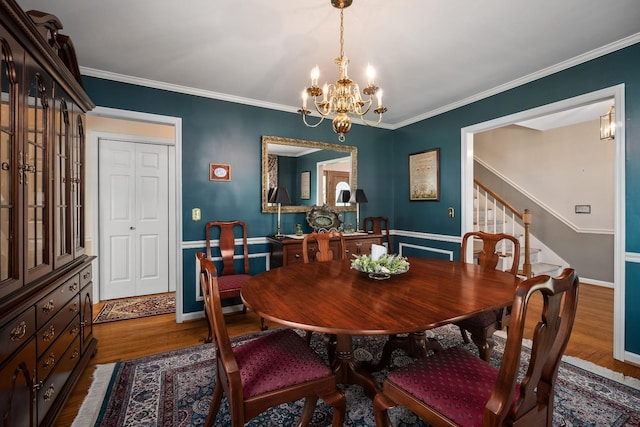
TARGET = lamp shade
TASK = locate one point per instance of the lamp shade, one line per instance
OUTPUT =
(358, 196)
(344, 196)
(280, 195)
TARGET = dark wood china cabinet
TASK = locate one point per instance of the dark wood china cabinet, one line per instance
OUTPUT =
(46, 289)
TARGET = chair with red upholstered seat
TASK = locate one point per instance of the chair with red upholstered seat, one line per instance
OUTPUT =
(375, 224)
(455, 388)
(232, 277)
(494, 248)
(265, 372)
(324, 253)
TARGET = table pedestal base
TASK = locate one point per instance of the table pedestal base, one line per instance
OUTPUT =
(416, 344)
(346, 369)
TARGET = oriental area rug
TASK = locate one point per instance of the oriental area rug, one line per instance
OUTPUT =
(174, 389)
(133, 308)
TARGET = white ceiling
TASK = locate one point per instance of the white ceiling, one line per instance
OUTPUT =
(429, 55)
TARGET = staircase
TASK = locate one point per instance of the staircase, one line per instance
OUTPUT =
(492, 214)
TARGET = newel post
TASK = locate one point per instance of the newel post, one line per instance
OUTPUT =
(526, 266)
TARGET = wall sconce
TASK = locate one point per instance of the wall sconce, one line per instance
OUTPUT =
(281, 197)
(358, 197)
(608, 124)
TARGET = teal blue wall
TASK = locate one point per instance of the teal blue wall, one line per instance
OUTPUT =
(224, 132)
(443, 131)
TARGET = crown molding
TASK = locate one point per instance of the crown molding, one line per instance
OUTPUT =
(596, 53)
(604, 50)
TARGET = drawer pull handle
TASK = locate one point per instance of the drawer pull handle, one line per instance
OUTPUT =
(74, 331)
(48, 307)
(297, 256)
(49, 334)
(75, 354)
(19, 331)
(74, 307)
(49, 393)
(73, 287)
(86, 275)
(50, 361)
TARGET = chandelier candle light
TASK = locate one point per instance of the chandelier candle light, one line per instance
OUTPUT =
(342, 97)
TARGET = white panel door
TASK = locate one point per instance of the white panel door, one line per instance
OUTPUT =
(133, 198)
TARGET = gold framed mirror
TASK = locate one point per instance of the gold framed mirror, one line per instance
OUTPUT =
(313, 173)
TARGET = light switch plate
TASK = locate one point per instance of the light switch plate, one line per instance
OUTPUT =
(195, 214)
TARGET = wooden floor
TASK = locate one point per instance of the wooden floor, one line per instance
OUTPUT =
(591, 339)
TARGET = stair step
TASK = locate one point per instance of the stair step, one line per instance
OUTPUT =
(544, 268)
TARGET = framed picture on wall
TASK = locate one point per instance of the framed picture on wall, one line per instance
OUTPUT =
(219, 172)
(305, 185)
(424, 175)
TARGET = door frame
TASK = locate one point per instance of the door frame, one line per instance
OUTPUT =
(617, 93)
(175, 190)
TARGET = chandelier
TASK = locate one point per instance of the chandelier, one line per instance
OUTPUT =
(343, 97)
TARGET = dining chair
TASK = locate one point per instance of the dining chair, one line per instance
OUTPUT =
(231, 276)
(268, 371)
(455, 388)
(495, 247)
(375, 224)
(324, 253)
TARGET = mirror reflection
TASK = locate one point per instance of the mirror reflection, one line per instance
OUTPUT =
(313, 173)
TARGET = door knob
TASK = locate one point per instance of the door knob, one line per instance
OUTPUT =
(132, 228)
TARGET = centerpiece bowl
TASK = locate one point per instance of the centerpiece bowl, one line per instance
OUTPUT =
(382, 268)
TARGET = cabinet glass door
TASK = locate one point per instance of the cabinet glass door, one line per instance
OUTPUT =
(9, 268)
(62, 184)
(78, 187)
(34, 172)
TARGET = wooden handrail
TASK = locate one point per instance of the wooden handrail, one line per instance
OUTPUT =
(526, 220)
(498, 198)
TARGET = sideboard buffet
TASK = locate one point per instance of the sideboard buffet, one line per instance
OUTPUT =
(46, 289)
(287, 250)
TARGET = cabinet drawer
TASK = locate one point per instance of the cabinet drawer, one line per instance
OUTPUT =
(294, 255)
(17, 332)
(358, 247)
(86, 276)
(52, 387)
(52, 330)
(48, 306)
(52, 356)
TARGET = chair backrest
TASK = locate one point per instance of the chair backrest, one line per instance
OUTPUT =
(550, 339)
(323, 252)
(490, 253)
(213, 308)
(375, 224)
(227, 245)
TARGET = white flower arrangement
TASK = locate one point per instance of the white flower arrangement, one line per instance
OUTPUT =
(386, 264)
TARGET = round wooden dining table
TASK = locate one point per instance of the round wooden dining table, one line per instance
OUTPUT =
(332, 298)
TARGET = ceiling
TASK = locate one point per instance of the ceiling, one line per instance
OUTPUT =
(430, 56)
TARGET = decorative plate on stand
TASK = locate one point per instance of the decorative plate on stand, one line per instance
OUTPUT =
(324, 219)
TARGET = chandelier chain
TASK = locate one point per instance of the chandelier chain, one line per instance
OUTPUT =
(341, 33)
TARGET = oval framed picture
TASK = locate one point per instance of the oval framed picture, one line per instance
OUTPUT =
(219, 172)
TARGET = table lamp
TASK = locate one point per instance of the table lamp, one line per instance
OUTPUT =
(281, 197)
(358, 197)
(344, 196)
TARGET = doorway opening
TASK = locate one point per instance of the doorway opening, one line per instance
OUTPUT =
(127, 125)
(616, 93)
